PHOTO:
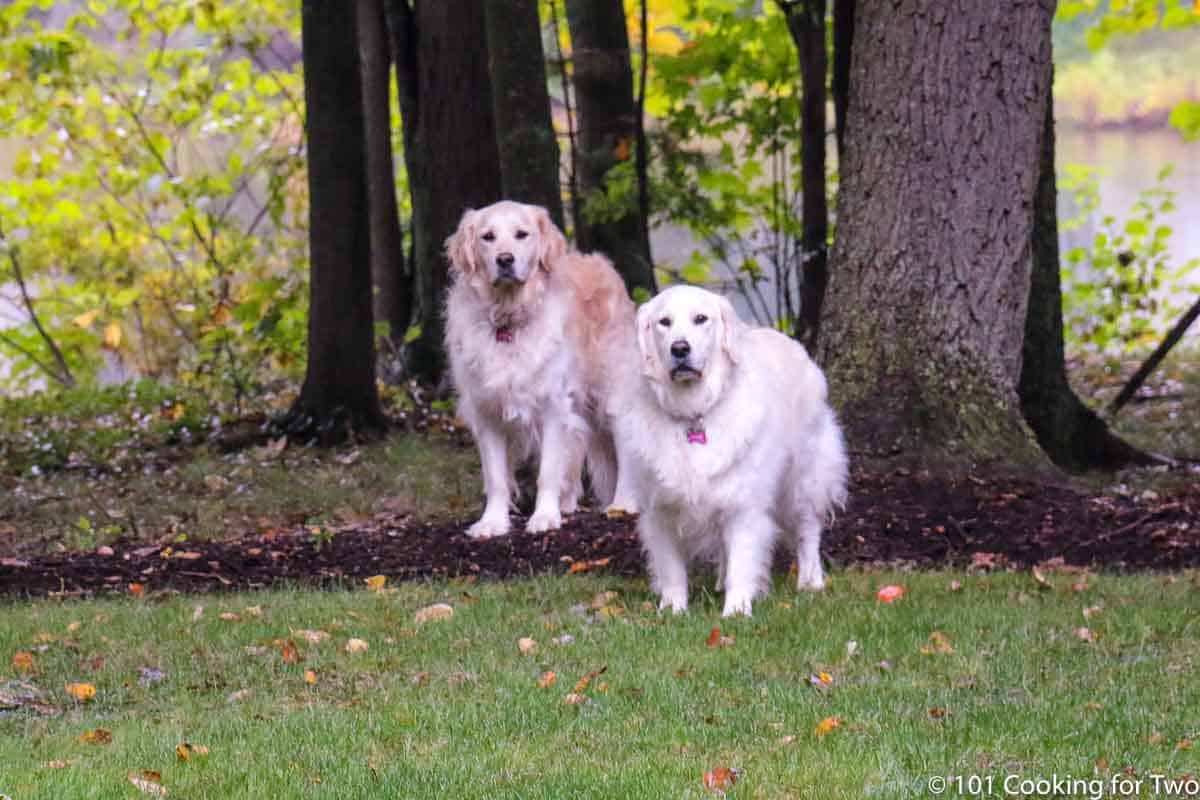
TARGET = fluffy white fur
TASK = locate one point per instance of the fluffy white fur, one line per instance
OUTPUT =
(731, 443)
(536, 335)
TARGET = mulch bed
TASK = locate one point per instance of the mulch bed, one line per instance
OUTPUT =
(895, 516)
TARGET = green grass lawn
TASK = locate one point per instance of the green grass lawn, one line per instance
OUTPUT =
(965, 675)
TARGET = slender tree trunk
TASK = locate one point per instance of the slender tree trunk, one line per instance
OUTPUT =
(843, 40)
(453, 160)
(338, 396)
(607, 135)
(930, 272)
(1073, 435)
(392, 282)
(806, 23)
(529, 161)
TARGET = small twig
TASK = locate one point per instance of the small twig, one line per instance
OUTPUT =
(1150, 364)
(64, 375)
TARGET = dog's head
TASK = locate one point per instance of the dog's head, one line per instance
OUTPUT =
(687, 335)
(504, 244)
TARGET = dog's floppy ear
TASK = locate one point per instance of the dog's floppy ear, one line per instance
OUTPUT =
(651, 365)
(732, 328)
(552, 245)
(460, 245)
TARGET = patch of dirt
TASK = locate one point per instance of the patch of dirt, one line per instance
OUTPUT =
(895, 516)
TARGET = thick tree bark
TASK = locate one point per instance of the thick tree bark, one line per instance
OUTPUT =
(607, 134)
(839, 82)
(529, 161)
(806, 23)
(930, 272)
(1073, 435)
(338, 396)
(453, 159)
(393, 284)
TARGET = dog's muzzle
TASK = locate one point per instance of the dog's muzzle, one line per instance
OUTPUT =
(505, 271)
(683, 370)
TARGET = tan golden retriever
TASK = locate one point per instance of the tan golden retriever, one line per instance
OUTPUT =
(730, 443)
(537, 335)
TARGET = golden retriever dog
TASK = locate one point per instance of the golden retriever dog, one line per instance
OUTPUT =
(731, 443)
(536, 335)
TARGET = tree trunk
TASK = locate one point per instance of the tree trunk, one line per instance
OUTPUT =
(1073, 435)
(843, 41)
(393, 284)
(930, 272)
(607, 135)
(338, 396)
(454, 160)
(806, 23)
(529, 162)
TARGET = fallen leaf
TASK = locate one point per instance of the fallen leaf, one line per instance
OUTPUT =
(83, 692)
(97, 736)
(419, 678)
(58, 763)
(890, 593)
(851, 648)
(185, 750)
(717, 639)
(547, 679)
(288, 651)
(986, 561)
(937, 713)
(229, 616)
(1184, 744)
(437, 611)
(310, 677)
(1085, 635)
(254, 611)
(312, 637)
(956, 586)
(149, 782)
(826, 725)
(238, 696)
(821, 680)
(137, 589)
(74, 627)
(356, 646)
(22, 661)
(376, 582)
(718, 779)
(582, 684)
(565, 639)
(587, 566)
(575, 699)
(1039, 578)
(1090, 611)
(526, 645)
(939, 643)
(197, 613)
(104, 550)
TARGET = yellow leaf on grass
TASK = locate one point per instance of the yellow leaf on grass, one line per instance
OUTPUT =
(184, 751)
(312, 637)
(939, 643)
(718, 779)
(526, 645)
(288, 651)
(437, 611)
(356, 646)
(149, 782)
(22, 661)
(112, 335)
(376, 582)
(548, 679)
(826, 725)
(83, 692)
(97, 736)
(310, 677)
(86, 319)
(582, 684)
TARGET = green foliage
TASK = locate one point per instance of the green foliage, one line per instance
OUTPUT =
(728, 157)
(1117, 293)
(157, 205)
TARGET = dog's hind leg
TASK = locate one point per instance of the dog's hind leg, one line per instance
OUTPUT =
(809, 575)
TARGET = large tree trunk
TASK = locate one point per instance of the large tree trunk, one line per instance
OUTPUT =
(338, 396)
(929, 277)
(1073, 435)
(806, 23)
(393, 284)
(529, 162)
(607, 135)
(839, 81)
(454, 161)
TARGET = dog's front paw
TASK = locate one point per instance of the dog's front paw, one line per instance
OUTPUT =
(810, 577)
(677, 602)
(738, 605)
(487, 527)
(543, 521)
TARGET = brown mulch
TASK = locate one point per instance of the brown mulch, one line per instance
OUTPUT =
(895, 516)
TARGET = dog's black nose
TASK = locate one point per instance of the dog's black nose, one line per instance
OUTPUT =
(505, 261)
(680, 348)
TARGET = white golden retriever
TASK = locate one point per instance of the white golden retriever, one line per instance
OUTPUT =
(731, 443)
(534, 332)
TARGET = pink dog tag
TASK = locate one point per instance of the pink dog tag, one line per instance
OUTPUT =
(697, 436)
(504, 334)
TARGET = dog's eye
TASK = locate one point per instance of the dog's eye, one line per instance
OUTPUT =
(665, 322)
(522, 234)
(700, 319)
(489, 237)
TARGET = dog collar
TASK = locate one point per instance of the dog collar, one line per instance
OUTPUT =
(504, 334)
(696, 435)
